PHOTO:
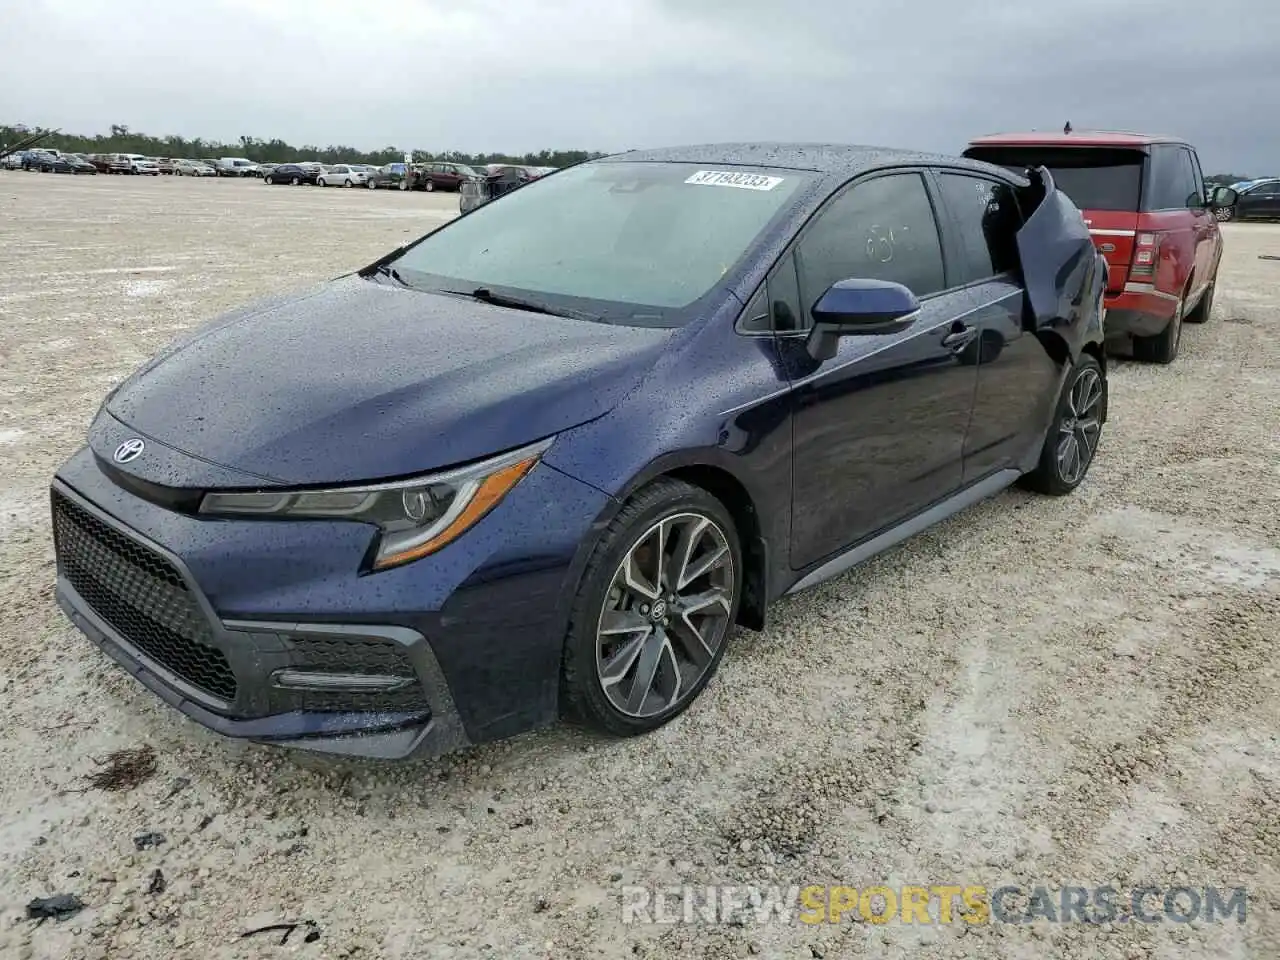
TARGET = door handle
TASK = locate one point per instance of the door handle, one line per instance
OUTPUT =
(961, 336)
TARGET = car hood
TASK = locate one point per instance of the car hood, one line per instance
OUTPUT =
(359, 380)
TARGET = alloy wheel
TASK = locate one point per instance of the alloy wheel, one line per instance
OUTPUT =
(665, 615)
(1079, 430)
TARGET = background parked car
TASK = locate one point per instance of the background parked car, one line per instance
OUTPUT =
(237, 167)
(193, 168)
(442, 176)
(165, 164)
(140, 165)
(503, 179)
(1258, 200)
(386, 176)
(1144, 201)
(341, 175)
(67, 163)
(294, 173)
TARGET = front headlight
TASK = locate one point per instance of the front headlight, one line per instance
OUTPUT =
(417, 517)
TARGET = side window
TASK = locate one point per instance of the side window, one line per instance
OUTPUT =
(755, 318)
(881, 229)
(986, 216)
(774, 306)
(784, 297)
(1193, 194)
(1198, 174)
(1171, 179)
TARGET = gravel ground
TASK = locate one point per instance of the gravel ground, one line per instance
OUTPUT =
(1043, 691)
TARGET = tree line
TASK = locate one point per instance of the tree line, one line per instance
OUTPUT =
(123, 140)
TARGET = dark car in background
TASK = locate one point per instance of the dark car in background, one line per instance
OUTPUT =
(443, 176)
(65, 163)
(577, 437)
(1145, 202)
(388, 176)
(501, 179)
(293, 173)
(1257, 200)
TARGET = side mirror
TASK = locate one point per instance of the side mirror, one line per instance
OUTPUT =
(1223, 197)
(859, 308)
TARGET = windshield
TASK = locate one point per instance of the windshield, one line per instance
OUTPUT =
(1095, 178)
(465, 170)
(624, 235)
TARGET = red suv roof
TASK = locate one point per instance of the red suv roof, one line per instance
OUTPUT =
(1085, 138)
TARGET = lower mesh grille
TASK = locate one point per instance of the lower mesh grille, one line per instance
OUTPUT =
(356, 656)
(141, 595)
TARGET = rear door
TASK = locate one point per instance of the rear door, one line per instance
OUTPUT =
(1106, 183)
(1017, 379)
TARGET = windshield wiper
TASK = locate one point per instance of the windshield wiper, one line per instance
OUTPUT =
(485, 295)
(389, 271)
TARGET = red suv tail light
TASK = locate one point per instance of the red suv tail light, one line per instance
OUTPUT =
(1146, 254)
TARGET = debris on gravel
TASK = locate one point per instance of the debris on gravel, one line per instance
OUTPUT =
(124, 769)
(60, 906)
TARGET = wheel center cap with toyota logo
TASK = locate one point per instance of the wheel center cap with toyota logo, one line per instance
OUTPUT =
(658, 611)
(128, 451)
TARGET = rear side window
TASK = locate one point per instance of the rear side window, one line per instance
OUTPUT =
(986, 218)
(1095, 178)
(1171, 185)
(881, 229)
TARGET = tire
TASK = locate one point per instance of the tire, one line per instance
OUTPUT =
(1077, 424)
(1204, 309)
(371, 185)
(678, 509)
(1163, 346)
(429, 186)
(346, 183)
(404, 184)
(1224, 214)
(295, 181)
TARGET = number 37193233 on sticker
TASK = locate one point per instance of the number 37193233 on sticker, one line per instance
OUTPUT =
(729, 178)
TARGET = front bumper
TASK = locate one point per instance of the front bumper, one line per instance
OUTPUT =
(1140, 310)
(213, 615)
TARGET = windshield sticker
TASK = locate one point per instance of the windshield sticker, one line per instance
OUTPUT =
(726, 178)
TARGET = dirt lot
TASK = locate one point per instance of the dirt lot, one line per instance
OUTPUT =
(1077, 691)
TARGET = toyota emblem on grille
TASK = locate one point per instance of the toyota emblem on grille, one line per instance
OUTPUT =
(128, 451)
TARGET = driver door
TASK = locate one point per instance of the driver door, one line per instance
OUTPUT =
(879, 429)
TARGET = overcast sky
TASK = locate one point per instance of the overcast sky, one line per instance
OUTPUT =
(518, 75)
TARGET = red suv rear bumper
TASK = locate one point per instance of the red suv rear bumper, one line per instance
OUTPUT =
(1140, 310)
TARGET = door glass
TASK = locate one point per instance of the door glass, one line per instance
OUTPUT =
(986, 216)
(1194, 195)
(882, 229)
(1170, 184)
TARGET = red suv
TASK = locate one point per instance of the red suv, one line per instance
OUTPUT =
(1144, 201)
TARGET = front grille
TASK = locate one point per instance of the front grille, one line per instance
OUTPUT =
(357, 655)
(142, 596)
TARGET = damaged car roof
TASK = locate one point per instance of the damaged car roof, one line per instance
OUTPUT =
(830, 158)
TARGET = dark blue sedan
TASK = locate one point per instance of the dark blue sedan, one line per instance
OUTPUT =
(542, 461)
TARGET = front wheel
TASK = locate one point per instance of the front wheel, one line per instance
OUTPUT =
(404, 184)
(371, 185)
(346, 183)
(295, 181)
(1073, 437)
(654, 610)
(1225, 214)
(429, 186)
